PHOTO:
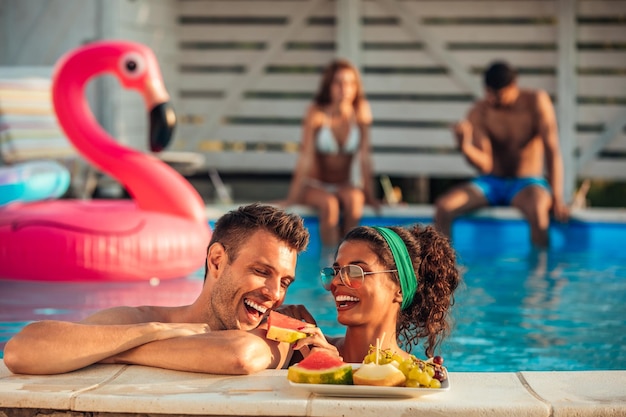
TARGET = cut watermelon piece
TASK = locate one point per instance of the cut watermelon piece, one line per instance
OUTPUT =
(321, 367)
(284, 328)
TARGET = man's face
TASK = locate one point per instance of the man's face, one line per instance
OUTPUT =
(504, 97)
(255, 282)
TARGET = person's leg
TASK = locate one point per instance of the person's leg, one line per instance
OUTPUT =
(461, 199)
(352, 200)
(327, 207)
(534, 202)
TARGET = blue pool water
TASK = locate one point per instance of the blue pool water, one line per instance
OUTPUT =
(517, 309)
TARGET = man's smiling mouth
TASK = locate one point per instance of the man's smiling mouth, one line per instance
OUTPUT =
(254, 308)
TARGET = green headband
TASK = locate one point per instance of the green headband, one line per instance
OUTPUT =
(408, 280)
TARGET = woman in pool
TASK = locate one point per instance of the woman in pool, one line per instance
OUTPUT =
(336, 127)
(393, 281)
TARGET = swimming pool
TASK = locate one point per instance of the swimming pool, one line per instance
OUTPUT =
(518, 309)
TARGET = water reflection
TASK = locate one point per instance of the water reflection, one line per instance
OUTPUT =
(542, 310)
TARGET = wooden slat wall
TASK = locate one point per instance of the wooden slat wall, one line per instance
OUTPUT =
(28, 126)
(207, 47)
(153, 23)
(413, 96)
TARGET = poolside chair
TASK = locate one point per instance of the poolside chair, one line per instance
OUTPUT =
(28, 126)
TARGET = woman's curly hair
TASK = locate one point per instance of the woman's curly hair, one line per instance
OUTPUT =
(434, 262)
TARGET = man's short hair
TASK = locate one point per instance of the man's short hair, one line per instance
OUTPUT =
(234, 228)
(499, 75)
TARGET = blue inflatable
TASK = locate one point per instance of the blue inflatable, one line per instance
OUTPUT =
(33, 181)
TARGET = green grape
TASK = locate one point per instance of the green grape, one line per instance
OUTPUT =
(430, 371)
(411, 383)
(396, 357)
(424, 379)
(415, 373)
(406, 366)
(434, 384)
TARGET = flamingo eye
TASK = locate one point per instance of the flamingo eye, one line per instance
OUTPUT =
(132, 65)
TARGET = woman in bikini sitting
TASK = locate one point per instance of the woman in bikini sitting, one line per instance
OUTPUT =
(336, 127)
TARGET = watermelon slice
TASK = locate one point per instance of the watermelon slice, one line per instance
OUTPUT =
(321, 367)
(284, 328)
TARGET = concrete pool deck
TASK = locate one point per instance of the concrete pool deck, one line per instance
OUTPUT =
(103, 390)
(591, 214)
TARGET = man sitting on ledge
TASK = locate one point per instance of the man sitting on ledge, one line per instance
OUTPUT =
(507, 137)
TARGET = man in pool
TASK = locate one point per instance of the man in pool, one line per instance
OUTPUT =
(250, 263)
(507, 136)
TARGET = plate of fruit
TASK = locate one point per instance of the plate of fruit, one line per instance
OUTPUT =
(383, 373)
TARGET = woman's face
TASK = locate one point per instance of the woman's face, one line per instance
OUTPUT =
(378, 298)
(343, 87)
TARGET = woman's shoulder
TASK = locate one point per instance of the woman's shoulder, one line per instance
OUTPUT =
(363, 112)
(315, 114)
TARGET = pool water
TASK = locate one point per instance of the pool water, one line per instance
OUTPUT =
(517, 309)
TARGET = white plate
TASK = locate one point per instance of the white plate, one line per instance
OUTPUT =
(370, 391)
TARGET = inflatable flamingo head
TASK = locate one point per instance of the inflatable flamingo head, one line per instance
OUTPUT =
(134, 65)
(145, 177)
(138, 69)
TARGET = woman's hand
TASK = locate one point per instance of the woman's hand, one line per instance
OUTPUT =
(297, 311)
(315, 340)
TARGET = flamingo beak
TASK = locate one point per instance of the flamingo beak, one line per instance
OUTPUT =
(162, 124)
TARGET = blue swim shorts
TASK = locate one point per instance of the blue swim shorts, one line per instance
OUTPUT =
(499, 191)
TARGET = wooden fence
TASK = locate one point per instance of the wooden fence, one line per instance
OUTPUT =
(247, 70)
(242, 72)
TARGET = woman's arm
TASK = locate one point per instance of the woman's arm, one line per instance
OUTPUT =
(364, 119)
(306, 158)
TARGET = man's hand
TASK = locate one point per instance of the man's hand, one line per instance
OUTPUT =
(463, 134)
(560, 210)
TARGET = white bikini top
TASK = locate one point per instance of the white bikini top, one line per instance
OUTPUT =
(327, 143)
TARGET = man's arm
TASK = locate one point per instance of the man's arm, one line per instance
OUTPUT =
(229, 352)
(554, 162)
(50, 347)
(473, 141)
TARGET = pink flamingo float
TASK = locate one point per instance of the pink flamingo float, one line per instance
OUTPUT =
(161, 233)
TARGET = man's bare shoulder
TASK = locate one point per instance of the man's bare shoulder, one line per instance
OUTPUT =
(130, 315)
(537, 101)
(534, 96)
(478, 110)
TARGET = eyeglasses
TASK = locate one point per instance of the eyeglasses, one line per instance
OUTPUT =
(351, 276)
